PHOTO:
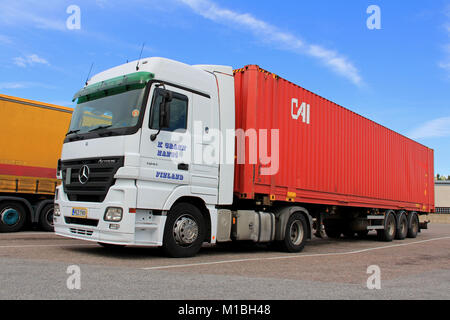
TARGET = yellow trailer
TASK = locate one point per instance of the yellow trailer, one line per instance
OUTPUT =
(32, 134)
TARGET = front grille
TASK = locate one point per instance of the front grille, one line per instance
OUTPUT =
(81, 231)
(101, 178)
(83, 222)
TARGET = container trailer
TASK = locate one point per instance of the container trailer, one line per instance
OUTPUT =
(193, 154)
(32, 134)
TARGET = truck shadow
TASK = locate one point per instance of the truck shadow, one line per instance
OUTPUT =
(223, 249)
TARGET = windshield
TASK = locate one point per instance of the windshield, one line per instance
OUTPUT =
(109, 112)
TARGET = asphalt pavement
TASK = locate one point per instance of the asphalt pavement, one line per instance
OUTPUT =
(39, 265)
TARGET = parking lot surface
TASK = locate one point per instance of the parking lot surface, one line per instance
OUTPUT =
(34, 265)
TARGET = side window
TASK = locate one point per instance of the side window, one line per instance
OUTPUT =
(178, 111)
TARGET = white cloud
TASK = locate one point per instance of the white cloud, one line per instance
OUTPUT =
(23, 85)
(436, 128)
(335, 61)
(5, 40)
(12, 85)
(101, 3)
(39, 14)
(30, 60)
(445, 66)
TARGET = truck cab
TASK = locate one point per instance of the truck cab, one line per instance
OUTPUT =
(135, 150)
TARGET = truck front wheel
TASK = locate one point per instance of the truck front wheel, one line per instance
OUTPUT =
(184, 232)
(46, 218)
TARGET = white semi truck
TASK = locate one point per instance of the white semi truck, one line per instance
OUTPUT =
(121, 179)
(150, 159)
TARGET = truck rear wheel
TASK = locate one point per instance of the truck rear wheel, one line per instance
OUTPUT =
(413, 225)
(402, 227)
(12, 216)
(388, 233)
(295, 233)
(184, 232)
(46, 217)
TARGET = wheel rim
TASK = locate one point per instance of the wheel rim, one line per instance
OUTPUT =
(185, 230)
(391, 226)
(49, 217)
(296, 233)
(404, 227)
(10, 216)
(414, 225)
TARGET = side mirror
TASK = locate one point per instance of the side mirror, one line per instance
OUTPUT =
(164, 110)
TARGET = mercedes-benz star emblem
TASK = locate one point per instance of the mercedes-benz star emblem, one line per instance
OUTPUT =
(83, 176)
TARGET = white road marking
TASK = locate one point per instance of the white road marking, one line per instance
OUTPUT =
(27, 233)
(291, 256)
(47, 245)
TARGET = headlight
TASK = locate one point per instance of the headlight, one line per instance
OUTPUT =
(113, 214)
(56, 211)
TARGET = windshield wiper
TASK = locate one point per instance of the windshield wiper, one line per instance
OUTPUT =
(72, 131)
(100, 128)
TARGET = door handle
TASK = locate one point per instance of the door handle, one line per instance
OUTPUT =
(183, 166)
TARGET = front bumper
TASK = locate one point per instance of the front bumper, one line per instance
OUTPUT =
(140, 228)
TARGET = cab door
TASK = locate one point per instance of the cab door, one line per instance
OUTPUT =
(164, 152)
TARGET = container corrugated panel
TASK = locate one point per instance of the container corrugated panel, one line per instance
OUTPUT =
(331, 156)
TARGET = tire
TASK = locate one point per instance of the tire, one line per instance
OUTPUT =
(12, 217)
(390, 228)
(184, 232)
(413, 225)
(46, 217)
(402, 227)
(295, 234)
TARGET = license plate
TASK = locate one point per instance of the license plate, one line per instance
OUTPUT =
(79, 212)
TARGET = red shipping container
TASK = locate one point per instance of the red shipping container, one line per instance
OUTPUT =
(327, 154)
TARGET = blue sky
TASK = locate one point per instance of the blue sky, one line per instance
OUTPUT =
(398, 76)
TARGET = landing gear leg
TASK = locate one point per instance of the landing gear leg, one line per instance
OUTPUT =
(320, 228)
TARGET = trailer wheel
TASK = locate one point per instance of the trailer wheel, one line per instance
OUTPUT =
(46, 217)
(184, 232)
(390, 227)
(12, 216)
(295, 233)
(413, 225)
(402, 228)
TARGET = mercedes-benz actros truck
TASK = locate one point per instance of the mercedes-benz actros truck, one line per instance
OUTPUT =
(186, 155)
